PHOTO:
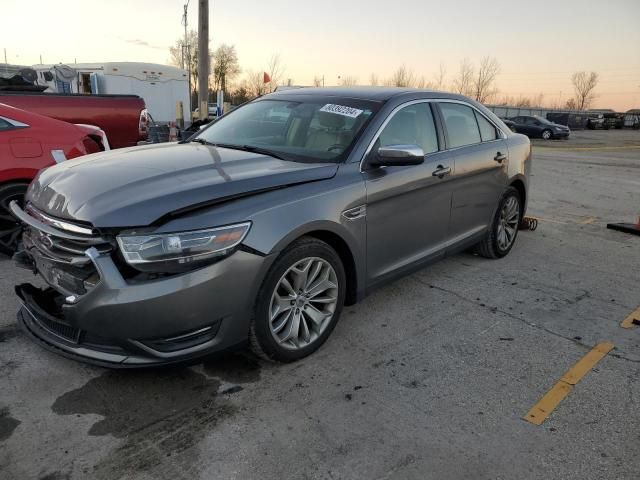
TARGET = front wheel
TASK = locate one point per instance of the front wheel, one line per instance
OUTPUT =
(10, 227)
(546, 134)
(299, 302)
(504, 229)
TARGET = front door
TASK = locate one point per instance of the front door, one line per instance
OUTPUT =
(407, 207)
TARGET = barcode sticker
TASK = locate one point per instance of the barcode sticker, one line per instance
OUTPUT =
(341, 110)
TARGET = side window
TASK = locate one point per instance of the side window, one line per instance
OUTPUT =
(412, 125)
(461, 124)
(487, 130)
(4, 125)
(8, 124)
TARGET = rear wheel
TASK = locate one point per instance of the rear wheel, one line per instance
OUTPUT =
(299, 302)
(504, 228)
(10, 227)
(546, 134)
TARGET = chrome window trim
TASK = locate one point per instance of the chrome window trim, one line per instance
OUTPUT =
(501, 134)
(388, 119)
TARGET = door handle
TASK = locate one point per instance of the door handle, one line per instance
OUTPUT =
(500, 157)
(441, 171)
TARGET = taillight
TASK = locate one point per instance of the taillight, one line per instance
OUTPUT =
(143, 124)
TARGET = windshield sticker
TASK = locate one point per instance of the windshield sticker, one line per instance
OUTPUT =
(341, 110)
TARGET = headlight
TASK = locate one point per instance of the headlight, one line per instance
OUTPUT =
(182, 248)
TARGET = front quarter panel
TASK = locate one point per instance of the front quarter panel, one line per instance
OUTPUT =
(280, 217)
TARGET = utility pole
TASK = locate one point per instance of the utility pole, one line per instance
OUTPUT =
(203, 58)
(186, 53)
(5, 57)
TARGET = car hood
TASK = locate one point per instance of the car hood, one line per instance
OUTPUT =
(136, 186)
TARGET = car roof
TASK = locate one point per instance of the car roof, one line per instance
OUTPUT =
(379, 94)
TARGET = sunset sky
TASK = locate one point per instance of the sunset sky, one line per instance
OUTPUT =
(538, 44)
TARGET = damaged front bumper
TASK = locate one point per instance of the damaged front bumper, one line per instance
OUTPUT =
(90, 312)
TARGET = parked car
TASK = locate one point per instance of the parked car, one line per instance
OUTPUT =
(613, 120)
(123, 118)
(272, 227)
(575, 121)
(212, 111)
(510, 124)
(595, 121)
(29, 143)
(535, 126)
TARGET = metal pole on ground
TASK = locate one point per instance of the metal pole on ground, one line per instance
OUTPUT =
(203, 57)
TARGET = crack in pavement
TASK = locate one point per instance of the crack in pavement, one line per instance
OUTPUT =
(522, 320)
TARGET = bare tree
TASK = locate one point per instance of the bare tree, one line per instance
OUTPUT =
(275, 69)
(421, 82)
(318, 81)
(463, 84)
(571, 104)
(373, 80)
(439, 78)
(484, 80)
(254, 83)
(584, 85)
(402, 77)
(190, 51)
(225, 66)
(348, 81)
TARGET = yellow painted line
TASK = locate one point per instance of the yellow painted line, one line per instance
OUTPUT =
(628, 322)
(588, 221)
(547, 404)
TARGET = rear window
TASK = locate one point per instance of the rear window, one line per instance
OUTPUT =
(487, 130)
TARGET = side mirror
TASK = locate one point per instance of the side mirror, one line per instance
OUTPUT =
(397, 155)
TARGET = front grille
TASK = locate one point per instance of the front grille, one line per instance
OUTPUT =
(61, 260)
(67, 332)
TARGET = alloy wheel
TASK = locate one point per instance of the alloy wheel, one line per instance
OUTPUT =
(508, 223)
(10, 227)
(546, 134)
(303, 303)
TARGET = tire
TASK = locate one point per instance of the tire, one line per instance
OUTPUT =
(492, 246)
(10, 228)
(277, 304)
(547, 134)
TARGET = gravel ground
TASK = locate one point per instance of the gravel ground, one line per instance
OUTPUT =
(429, 377)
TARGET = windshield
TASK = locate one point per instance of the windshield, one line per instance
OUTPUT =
(309, 130)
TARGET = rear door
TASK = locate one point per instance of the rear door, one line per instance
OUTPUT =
(407, 206)
(480, 176)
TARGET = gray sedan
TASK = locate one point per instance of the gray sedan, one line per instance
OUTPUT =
(261, 227)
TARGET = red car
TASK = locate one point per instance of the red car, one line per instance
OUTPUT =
(124, 118)
(28, 143)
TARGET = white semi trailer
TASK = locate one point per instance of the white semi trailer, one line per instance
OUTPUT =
(161, 86)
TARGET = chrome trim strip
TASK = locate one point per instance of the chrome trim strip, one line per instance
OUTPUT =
(54, 222)
(185, 336)
(355, 212)
(35, 223)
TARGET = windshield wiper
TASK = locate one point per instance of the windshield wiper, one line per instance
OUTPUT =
(202, 141)
(250, 148)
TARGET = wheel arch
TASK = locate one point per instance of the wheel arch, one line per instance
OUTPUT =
(519, 185)
(344, 246)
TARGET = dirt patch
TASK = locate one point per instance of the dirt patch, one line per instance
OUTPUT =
(159, 414)
(7, 424)
(234, 368)
(7, 333)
